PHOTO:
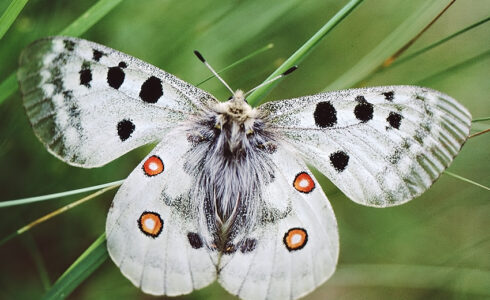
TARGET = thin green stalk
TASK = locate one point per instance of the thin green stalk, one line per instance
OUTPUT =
(438, 43)
(10, 14)
(8, 87)
(58, 195)
(481, 119)
(90, 17)
(396, 40)
(242, 60)
(31, 245)
(256, 97)
(87, 263)
(76, 28)
(466, 180)
(455, 68)
(395, 56)
(56, 212)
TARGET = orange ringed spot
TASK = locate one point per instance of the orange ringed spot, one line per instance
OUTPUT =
(295, 239)
(150, 224)
(303, 183)
(153, 166)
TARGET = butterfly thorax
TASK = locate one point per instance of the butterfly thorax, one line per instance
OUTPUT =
(231, 147)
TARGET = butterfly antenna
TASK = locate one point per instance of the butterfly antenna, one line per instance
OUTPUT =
(287, 72)
(201, 58)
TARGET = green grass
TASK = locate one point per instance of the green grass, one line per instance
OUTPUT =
(433, 247)
(10, 14)
(255, 98)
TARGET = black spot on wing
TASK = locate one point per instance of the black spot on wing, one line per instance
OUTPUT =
(363, 110)
(389, 96)
(68, 95)
(58, 85)
(248, 245)
(394, 119)
(124, 129)
(151, 90)
(85, 74)
(194, 240)
(115, 77)
(123, 65)
(339, 160)
(325, 114)
(96, 54)
(69, 45)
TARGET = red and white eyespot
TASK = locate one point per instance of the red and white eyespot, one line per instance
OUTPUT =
(150, 223)
(295, 239)
(153, 166)
(303, 183)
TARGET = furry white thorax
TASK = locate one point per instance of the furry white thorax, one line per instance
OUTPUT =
(230, 159)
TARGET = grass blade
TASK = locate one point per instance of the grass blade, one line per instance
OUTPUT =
(59, 195)
(392, 58)
(10, 14)
(241, 60)
(394, 41)
(441, 74)
(33, 249)
(255, 98)
(76, 28)
(8, 87)
(55, 213)
(90, 17)
(88, 262)
(438, 43)
(466, 180)
(481, 119)
(479, 133)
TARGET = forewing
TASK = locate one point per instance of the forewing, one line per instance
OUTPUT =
(294, 247)
(151, 228)
(89, 104)
(381, 146)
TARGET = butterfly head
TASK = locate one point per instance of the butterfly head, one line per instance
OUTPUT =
(236, 109)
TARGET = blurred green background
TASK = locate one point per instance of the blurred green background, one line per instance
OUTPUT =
(436, 246)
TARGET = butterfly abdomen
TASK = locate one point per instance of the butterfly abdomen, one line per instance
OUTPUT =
(230, 159)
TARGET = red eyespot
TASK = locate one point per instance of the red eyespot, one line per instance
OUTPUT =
(150, 224)
(295, 239)
(153, 166)
(304, 183)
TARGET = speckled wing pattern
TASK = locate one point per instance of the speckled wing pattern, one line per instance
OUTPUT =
(296, 252)
(81, 99)
(170, 258)
(381, 146)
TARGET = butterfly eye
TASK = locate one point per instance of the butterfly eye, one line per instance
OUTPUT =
(231, 97)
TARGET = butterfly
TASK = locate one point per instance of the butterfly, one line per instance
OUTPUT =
(226, 194)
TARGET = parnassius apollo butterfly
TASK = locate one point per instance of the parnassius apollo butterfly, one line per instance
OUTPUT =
(226, 194)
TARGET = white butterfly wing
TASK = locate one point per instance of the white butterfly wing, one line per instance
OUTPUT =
(381, 146)
(294, 249)
(151, 230)
(89, 104)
